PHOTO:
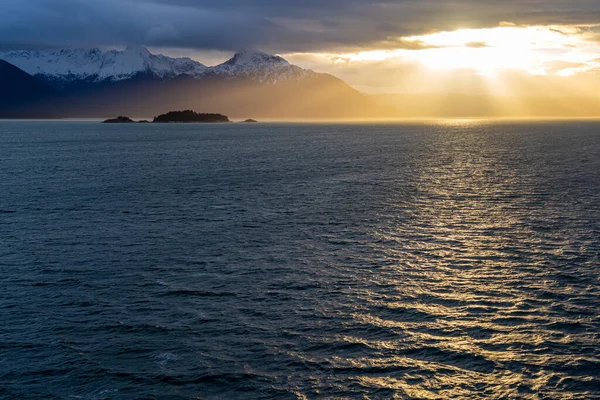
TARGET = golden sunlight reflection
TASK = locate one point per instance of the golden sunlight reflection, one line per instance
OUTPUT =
(455, 293)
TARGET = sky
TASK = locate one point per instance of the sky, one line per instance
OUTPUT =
(401, 46)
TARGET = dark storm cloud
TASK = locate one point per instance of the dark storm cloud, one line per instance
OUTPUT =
(107, 22)
(276, 25)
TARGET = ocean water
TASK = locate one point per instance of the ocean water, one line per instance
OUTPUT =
(442, 260)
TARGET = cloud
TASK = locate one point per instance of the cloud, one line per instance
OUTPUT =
(400, 43)
(162, 33)
(477, 45)
(273, 25)
(50, 23)
(555, 66)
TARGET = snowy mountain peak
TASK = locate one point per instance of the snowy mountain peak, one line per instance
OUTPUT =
(255, 59)
(259, 66)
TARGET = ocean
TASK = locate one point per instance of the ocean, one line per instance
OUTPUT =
(421, 260)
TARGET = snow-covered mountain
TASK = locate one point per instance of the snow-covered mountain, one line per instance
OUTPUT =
(62, 67)
(95, 65)
(259, 66)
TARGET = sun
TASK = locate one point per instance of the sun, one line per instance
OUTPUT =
(484, 61)
(492, 49)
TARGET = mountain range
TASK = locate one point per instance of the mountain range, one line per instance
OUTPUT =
(96, 83)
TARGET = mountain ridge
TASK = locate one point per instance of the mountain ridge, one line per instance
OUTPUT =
(65, 66)
(19, 89)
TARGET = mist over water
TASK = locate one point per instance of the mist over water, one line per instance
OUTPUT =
(273, 261)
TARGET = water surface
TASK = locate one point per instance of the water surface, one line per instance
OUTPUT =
(428, 261)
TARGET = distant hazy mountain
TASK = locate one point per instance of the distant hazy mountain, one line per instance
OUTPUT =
(135, 82)
(19, 90)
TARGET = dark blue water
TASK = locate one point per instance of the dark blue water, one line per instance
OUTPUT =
(428, 261)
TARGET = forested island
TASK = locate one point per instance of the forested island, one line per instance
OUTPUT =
(190, 116)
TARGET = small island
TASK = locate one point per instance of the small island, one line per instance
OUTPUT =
(119, 120)
(250, 121)
(190, 116)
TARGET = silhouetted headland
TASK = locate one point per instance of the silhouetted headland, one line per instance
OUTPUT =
(250, 121)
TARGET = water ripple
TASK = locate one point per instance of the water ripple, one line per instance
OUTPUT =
(426, 261)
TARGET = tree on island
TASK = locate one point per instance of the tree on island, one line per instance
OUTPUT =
(190, 116)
